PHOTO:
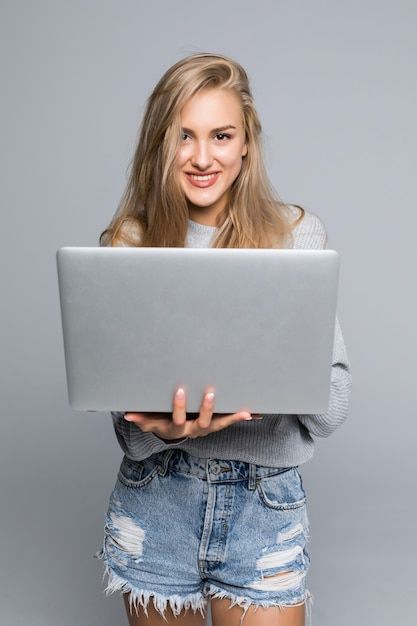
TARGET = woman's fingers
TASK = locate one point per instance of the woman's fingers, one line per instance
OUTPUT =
(144, 420)
(177, 426)
(130, 416)
(206, 411)
(227, 420)
(205, 423)
(159, 425)
(179, 415)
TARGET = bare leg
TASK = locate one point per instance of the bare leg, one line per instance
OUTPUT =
(223, 615)
(185, 618)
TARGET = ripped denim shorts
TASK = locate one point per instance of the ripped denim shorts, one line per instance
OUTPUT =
(181, 528)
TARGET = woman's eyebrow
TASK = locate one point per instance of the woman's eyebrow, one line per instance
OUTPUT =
(215, 130)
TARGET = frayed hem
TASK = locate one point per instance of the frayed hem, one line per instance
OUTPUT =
(245, 603)
(137, 597)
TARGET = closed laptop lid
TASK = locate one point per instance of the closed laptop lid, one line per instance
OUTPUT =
(255, 324)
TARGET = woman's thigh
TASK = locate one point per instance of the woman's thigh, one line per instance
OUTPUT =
(154, 617)
(222, 614)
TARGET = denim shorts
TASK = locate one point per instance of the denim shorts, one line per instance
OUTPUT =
(181, 529)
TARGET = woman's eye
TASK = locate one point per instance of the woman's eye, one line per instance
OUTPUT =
(222, 136)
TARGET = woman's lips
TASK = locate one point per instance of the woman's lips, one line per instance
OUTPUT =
(204, 180)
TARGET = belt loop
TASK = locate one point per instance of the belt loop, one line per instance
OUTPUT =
(252, 476)
(165, 460)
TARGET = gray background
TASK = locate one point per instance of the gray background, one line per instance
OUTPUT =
(333, 83)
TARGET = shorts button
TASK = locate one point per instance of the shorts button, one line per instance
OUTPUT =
(215, 469)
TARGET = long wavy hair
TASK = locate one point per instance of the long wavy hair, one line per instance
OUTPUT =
(153, 210)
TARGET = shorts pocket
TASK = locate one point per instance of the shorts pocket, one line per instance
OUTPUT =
(137, 473)
(283, 491)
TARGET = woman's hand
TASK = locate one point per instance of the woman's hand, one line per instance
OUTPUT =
(178, 427)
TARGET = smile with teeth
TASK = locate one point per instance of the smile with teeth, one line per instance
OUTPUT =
(205, 177)
(202, 180)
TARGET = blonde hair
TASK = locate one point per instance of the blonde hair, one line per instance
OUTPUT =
(153, 210)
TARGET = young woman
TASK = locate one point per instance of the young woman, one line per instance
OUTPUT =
(213, 507)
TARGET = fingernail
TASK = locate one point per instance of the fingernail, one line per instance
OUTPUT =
(210, 397)
(246, 416)
(180, 393)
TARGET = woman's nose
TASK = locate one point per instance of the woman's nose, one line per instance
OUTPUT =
(201, 156)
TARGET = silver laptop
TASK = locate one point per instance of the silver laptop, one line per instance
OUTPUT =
(256, 324)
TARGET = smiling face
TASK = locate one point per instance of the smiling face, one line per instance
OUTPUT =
(211, 151)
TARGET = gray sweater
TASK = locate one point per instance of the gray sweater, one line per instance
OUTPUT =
(276, 440)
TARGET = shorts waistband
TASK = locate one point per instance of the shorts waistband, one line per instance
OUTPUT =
(213, 470)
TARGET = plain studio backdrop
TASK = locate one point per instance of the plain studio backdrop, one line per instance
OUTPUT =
(335, 88)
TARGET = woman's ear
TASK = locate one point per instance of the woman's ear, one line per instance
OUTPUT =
(244, 150)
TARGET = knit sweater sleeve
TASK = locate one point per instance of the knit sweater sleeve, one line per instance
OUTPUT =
(311, 233)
